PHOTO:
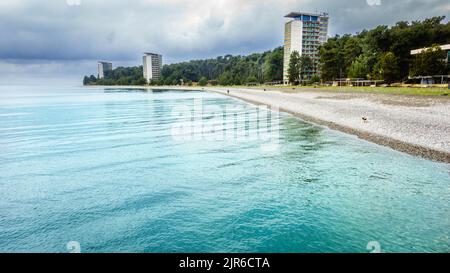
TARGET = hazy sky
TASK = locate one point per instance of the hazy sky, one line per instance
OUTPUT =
(67, 37)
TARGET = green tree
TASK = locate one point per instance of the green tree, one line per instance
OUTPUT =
(387, 68)
(351, 48)
(315, 79)
(306, 67)
(273, 65)
(85, 80)
(159, 82)
(203, 81)
(251, 79)
(339, 56)
(168, 81)
(226, 78)
(359, 68)
(141, 81)
(332, 60)
(294, 68)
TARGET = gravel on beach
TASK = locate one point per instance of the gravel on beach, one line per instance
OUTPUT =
(416, 125)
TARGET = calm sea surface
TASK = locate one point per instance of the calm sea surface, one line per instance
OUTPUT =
(102, 167)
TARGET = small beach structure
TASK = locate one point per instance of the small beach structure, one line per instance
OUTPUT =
(355, 82)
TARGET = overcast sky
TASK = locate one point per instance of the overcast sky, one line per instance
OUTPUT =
(67, 37)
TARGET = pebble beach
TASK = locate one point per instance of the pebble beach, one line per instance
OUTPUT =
(417, 125)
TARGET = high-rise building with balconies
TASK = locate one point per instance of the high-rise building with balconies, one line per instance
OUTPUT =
(152, 66)
(304, 33)
(102, 68)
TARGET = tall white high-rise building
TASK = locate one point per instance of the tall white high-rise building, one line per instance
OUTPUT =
(152, 66)
(304, 33)
(102, 68)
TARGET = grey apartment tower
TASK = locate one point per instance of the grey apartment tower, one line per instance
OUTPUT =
(152, 66)
(102, 68)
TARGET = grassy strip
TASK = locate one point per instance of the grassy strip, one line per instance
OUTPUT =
(417, 91)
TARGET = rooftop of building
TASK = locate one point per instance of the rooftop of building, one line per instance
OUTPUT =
(420, 50)
(149, 53)
(298, 14)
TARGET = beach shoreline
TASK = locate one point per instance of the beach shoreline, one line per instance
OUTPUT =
(403, 133)
(416, 125)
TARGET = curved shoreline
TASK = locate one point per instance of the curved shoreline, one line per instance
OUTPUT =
(394, 102)
(399, 145)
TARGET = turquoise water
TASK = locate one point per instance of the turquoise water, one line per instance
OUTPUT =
(101, 167)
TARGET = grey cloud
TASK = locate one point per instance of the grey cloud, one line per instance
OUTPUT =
(120, 30)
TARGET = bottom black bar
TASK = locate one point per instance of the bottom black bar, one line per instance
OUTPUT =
(222, 262)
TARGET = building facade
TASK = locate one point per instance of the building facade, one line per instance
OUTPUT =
(445, 48)
(432, 79)
(152, 66)
(102, 68)
(304, 33)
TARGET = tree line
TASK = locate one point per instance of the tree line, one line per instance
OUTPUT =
(382, 53)
(228, 69)
(301, 69)
(223, 70)
(119, 76)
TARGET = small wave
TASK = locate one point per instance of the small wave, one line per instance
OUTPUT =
(14, 114)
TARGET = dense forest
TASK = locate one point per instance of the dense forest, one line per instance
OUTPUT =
(385, 53)
(228, 70)
(224, 70)
(119, 76)
(381, 53)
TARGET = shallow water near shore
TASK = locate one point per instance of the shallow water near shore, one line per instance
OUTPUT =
(100, 166)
